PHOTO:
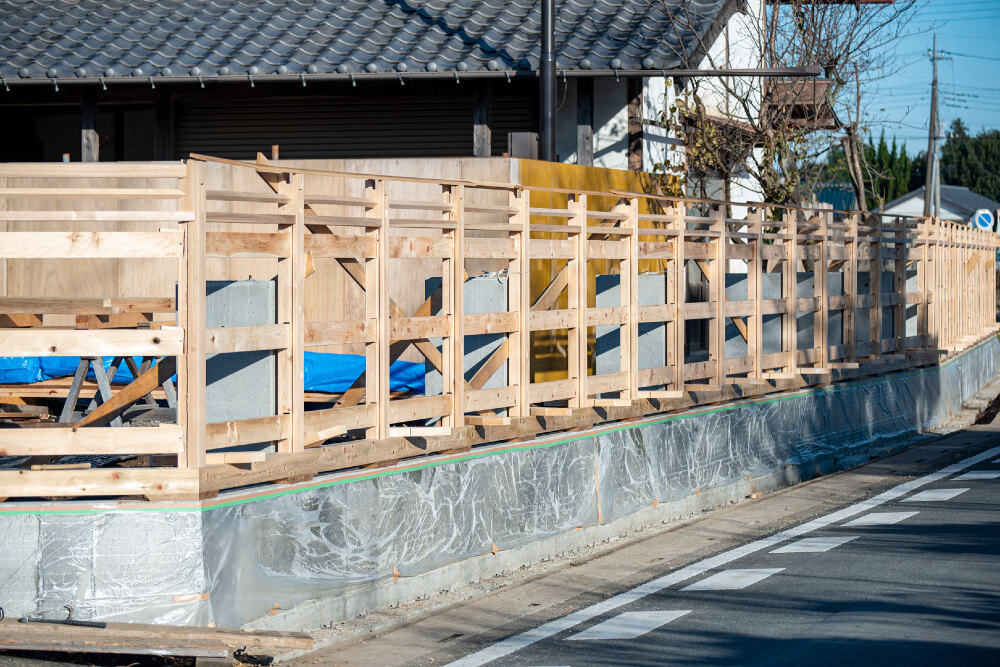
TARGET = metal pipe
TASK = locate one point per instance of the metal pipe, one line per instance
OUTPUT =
(547, 92)
(809, 71)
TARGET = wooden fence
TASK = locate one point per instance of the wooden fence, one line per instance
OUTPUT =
(930, 292)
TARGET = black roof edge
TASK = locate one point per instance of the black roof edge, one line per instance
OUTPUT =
(402, 77)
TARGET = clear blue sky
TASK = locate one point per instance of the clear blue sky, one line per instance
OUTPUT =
(969, 88)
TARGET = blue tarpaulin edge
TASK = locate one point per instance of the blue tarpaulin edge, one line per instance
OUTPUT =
(324, 371)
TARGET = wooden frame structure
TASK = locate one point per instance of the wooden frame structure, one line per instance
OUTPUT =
(930, 293)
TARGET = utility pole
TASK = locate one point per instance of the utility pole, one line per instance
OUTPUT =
(547, 74)
(932, 186)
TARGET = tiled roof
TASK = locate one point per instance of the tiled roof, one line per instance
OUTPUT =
(140, 38)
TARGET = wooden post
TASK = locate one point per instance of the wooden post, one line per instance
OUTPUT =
(679, 273)
(377, 310)
(634, 92)
(453, 279)
(191, 317)
(585, 121)
(899, 285)
(791, 280)
(875, 287)
(630, 279)
(755, 337)
(482, 135)
(89, 144)
(519, 298)
(923, 268)
(822, 316)
(577, 289)
(717, 293)
(851, 287)
(291, 311)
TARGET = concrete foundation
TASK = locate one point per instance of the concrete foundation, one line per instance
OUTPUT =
(304, 555)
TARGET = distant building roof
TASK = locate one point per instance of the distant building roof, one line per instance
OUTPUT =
(839, 195)
(45, 39)
(961, 202)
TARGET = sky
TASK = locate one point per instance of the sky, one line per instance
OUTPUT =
(968, 83)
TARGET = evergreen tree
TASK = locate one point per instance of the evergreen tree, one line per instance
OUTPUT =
(972, 162)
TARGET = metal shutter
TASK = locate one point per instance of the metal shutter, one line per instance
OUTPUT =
(414, 126)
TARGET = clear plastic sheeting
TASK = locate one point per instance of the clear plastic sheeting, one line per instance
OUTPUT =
(233, 561)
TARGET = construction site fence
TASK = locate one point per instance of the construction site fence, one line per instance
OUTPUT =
(111, 260)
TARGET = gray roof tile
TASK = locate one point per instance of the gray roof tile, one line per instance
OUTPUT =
(332, 35)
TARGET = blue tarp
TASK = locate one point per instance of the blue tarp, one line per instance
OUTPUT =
(333, 373)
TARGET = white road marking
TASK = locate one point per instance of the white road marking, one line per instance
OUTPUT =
(629, 625)
(978, 474)
(815, 545)
(732, 580)
(933, 495)
(880, 519)
(528, 637)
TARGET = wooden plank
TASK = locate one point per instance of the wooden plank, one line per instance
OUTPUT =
(551, 249)
(95, 216)
(90, 193)
(246, 244)
(477, 248)
(246, 431)
(421, 407)
(255, 197)
(553, 390)
(191, 317)
(662, 395)
(91, 245)
(477, 400)
(232, 458)
(220, 340)
(159, 483)
(351, 417)
(339, 333)
(340, 246)
(607, 382)
(163, 439)
(609, 315)
(106, 342)
(140, 638)
(84, 306)
(419, 431)
(490, 323)
(419, 328)
(551, 319)
(419, 247)
(319, 437)
(249, 218)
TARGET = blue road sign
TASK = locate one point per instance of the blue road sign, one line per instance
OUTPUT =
(983, 219)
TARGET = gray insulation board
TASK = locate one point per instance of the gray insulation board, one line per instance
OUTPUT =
(240, 385)
(483, 294)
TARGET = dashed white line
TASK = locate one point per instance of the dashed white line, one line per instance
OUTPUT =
(815, 545)
(978, 474)
(733, 580)
(527, 638)
(880, 519)
(933, 495)
(629, 625)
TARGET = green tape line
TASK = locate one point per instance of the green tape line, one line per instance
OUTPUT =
(497, 450)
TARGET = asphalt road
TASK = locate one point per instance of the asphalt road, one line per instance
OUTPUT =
(911, 576)
(862, 567)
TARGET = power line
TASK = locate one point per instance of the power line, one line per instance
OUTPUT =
(967, 55)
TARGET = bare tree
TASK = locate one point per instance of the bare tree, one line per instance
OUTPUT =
(778, 131)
